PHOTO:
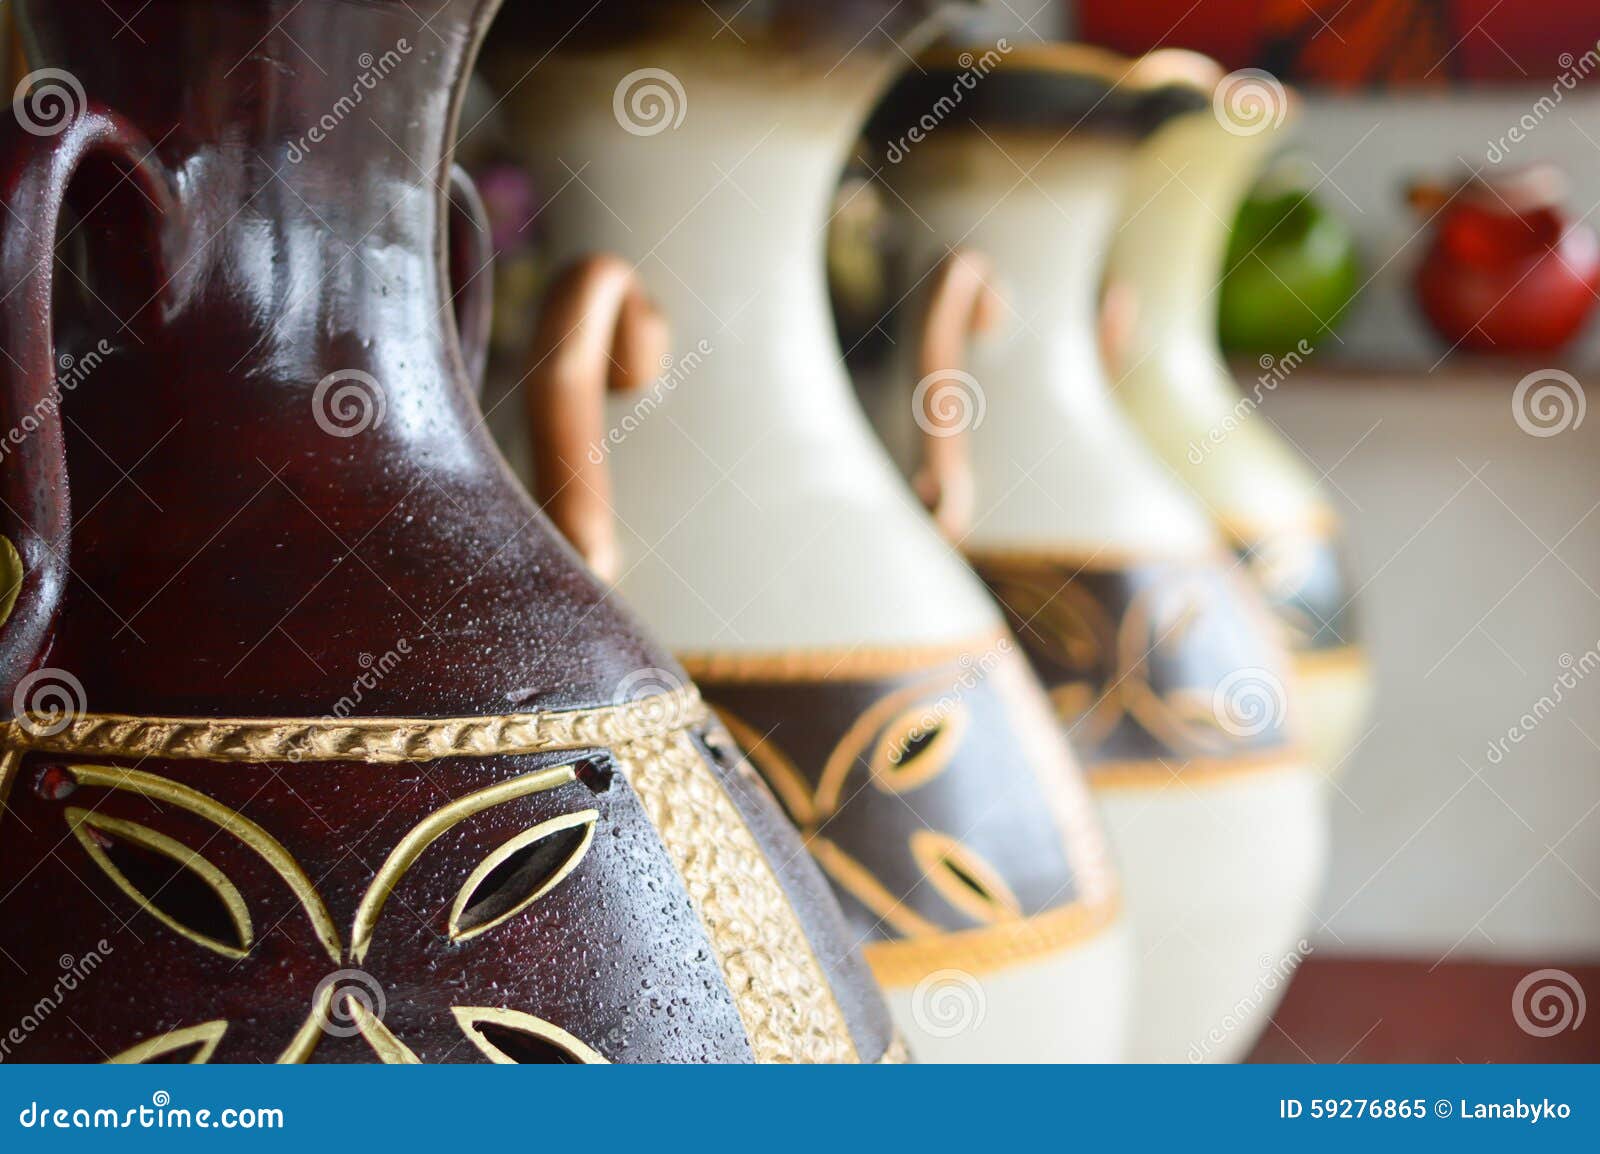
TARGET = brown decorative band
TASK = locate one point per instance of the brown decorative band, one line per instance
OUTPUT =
(839, 664)
(1162, 667)
(932, 786)
(1300, 571)
(906, 961)
(779, 989)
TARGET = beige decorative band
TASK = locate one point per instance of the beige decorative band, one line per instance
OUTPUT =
(906, 961)
(1091, 559)
(378, 740)
(1153, 773)
(1345, 659)
(838, 664)
(781, 992)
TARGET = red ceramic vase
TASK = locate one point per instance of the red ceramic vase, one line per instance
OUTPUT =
(319, 744)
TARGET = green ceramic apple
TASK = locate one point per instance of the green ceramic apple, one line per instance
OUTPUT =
(1291, 272)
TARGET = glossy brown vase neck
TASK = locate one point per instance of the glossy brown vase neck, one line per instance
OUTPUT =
(307, 143)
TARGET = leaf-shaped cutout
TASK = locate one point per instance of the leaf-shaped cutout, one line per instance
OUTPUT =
(171, 882)
(510, 1037)
(521, 872)
(918, 744)
(193, 1045)
(11, 574)
(964, 879)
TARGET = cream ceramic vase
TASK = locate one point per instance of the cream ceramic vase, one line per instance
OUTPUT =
(1165, 668)
(1185, 189)
(744, 508)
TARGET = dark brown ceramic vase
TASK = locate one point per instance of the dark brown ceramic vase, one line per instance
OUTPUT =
(319, 744)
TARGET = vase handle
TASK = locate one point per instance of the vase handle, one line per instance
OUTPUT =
(596, 330)
(35, 173)
(961, 302)
(471, 254)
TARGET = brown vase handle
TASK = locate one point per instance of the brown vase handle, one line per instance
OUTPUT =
(961, 302)
(35, 172)
(471, 255)
(596, 330)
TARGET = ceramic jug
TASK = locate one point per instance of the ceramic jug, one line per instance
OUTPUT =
(1187, 183)
(742, 505)
(1165, 670)
(320, 744)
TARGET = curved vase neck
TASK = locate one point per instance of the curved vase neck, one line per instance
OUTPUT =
(1183, 195)
(1056, 463)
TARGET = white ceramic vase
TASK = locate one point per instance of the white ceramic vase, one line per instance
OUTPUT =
(1187, 183)
(745, 509)
(1166, 669)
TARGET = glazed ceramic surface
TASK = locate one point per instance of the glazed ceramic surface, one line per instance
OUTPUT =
(1165, 670)
(320, 742)
(761, 530)
(1186, 186)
